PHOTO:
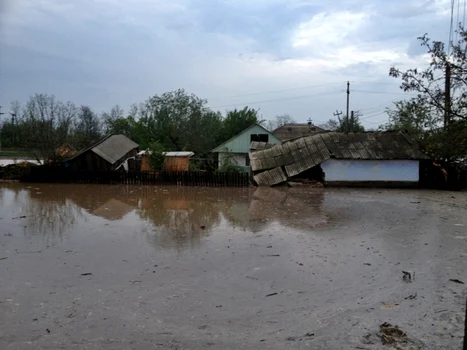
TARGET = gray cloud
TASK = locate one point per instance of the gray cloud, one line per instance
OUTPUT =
(104, 52)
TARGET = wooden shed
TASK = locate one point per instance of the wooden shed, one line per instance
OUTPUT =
(105, 155)
(174, 161)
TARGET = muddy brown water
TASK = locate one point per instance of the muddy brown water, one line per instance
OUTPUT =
(130, 267)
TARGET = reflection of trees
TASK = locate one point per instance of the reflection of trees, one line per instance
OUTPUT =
(181, 216)
(48, 212)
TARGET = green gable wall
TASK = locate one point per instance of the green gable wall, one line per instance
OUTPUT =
(241, 142)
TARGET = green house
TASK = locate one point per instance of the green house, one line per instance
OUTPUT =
(237, 148)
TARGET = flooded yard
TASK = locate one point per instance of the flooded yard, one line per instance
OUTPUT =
(122, 267)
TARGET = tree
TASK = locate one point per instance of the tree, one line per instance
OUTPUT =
(156, 155)
(330, 125)
(87, 128)
(238, 120)
(442, 115)
(180, 121)
(279, 121)
(412, 117)
(351, 123)
(40, 132)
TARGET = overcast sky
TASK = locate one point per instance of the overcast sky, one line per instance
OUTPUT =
(281, 56)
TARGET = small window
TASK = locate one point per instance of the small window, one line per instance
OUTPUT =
(259, 138)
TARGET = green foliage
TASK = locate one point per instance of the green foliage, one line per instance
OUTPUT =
(156, 155)
(230, 168)
(238, 120)
(351, 124)
(229, 165)
(439, 125)
(181, 122)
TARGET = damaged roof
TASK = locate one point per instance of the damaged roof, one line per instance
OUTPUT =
(304, 153)
(292, 131)
(111, 148)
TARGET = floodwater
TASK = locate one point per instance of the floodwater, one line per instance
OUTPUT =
(5, 161)
(130, 267)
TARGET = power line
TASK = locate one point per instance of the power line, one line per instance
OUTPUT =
(300, 88)
(275, 100)
(382, 92)
(374, 108)
(457, 20)
(374, 115)
(273, 91)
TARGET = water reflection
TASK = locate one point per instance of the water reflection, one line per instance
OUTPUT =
(168, 216)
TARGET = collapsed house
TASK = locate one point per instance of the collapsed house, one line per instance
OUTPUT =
(373, 158)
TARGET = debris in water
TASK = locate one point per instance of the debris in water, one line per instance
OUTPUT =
(20, 217)
(47, 330)
(270, 295)
(388, 306)
(202, 227)
(309, 334)
(390, 334)
(415, 202)
(367, 264)
(456, 281)
(411, 297)
(252, 278)
(135, 281)
(273, 255)
(5, 257)
(408, 277)
(86, 274)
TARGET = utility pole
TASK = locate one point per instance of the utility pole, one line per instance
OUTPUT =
(1, 128)
(338, 115)
(348, 98)
(447, 96)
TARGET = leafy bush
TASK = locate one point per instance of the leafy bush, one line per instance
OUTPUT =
(156, 155)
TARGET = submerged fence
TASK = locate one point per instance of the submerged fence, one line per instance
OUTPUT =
(179, 178)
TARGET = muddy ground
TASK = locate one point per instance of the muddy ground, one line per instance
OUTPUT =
(119, 267)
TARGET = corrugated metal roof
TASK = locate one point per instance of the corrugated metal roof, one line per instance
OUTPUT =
(182, 154)
(306, 152)
(114, 147)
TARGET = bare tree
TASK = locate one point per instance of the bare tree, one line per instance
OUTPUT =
(279, 121)
(88, 129)
(330, 125)
(40, 119)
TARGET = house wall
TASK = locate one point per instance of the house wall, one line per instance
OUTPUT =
(145, 163)
(241, 143)
(371, 170)
(239, 159)
(176, 164)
